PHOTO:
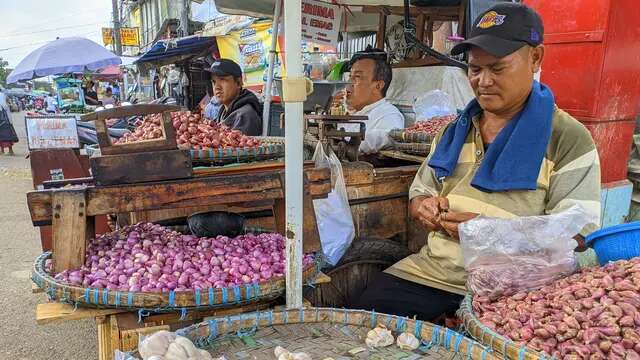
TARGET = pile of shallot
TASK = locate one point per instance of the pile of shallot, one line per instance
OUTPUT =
(431, 126)
(593, 314)
(150, 258)
(192, 132)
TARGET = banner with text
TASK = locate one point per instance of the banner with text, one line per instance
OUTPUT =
(52, 132)
(128, 36)
(321, 22)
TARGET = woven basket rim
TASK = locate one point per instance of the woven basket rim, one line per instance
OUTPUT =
(508, 350)
(192, 299)
(204, 333)
(272, 150)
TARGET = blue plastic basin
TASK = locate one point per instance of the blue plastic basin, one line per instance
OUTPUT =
(619, 242)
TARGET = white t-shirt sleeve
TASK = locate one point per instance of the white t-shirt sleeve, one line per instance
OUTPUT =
(381, 122)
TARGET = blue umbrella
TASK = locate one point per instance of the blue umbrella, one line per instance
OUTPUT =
(62, 56)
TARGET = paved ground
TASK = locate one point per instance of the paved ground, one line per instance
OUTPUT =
(20, 337)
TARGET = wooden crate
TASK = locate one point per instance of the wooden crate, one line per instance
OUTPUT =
(141, 167)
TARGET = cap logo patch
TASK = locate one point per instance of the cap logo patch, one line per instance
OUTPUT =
(217, 63)
(491, 19)
(534, 35)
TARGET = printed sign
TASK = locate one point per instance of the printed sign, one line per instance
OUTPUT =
(52, 132)
(129, 37)
(56, 174)
(320, 22)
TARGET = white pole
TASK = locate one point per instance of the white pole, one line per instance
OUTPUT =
(272, 56)
(293, 156)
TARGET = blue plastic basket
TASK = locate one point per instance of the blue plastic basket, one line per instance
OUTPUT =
(619, 242)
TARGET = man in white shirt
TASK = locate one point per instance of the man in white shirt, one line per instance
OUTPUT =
(370, 77)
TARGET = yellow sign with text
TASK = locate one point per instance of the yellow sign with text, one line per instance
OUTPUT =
(128, 36)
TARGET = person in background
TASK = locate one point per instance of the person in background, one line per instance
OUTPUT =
(212, 109)
(90, 94)
(108, 98)
(116, 92)
(240, 108)
(512, 152)
(8, 135)
(50, 104)
(370, 77)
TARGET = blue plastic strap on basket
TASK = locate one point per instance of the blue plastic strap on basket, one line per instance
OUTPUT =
(285, 316)
(521, 353)
(197, 297)
(317, 314)
(484, 354)
(389, 318)
(142, 313)
(448, 334)
(247, 291)
(401, 323)
(105, 296)
(257, 289)
(86, 295)
(183, 313)
(96, 295)
(373, 319)
(346, 317)
(456, 346)
(172, 298)
(270, 316)
(236, 294)
(504, 346)
(213, 328)
(211, 296)
(301, 315)
(470, 349)
(418, 330)
(225, 295)
(130, 299)
(117, 298)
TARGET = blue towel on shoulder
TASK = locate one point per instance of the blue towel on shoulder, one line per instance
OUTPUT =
(513, 160)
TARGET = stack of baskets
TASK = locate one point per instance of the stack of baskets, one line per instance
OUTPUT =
(411, 143)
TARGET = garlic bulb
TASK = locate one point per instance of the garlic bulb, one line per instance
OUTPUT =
(187, 345)
(279, 350)
(284, 354)
(156, 344)
(406, 341)
(176, 352)
(379, 337)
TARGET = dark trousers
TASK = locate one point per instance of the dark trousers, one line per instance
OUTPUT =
(392, 295)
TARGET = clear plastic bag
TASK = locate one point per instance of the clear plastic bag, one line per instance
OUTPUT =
(505, 256)
(433, 103)
(119, 355)
(333, 214)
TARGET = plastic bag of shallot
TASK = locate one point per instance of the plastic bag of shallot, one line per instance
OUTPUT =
(505, 256)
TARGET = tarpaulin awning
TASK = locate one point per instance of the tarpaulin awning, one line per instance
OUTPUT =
(165, 52)
(355, 19)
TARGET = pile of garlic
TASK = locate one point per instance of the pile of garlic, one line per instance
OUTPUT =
(382, 337)
(165, 345)
(284, 354)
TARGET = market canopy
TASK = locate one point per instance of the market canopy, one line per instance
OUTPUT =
(63, 56)
(355, 19)
(171, 51)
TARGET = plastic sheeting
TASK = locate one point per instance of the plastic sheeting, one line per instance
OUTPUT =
(410, 83)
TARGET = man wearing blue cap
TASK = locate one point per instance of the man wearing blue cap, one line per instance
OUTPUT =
(511, 153)
(241, 109)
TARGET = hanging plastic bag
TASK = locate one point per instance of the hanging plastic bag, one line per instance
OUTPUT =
(433, 103)
(333, 214)
(505, 256)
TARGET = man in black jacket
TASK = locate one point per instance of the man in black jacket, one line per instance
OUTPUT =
(241, 109)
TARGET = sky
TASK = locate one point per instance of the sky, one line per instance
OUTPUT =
(29, 24)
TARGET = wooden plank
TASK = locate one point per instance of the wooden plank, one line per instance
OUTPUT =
(35, 289)
(102, 133)
(322, 278)
(141, 167)
(70, 232)
(114, 332)
(52, 312)
(129, 110)
(395, 154)
(382, 30)
(233, 189)
(358, 172)
(104, 338)
(138, 147)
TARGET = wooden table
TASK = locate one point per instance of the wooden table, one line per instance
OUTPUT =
(71, 211)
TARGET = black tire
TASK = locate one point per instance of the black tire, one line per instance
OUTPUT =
(360, 264)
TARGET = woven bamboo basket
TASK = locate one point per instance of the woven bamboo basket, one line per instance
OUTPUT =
(503, 346)
(324, 333)
(161, 302)
(421, 149)
(402, 136)
(271, 147)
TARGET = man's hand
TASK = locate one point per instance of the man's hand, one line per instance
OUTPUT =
(427, 210)
(338, 98)
(450, 221)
